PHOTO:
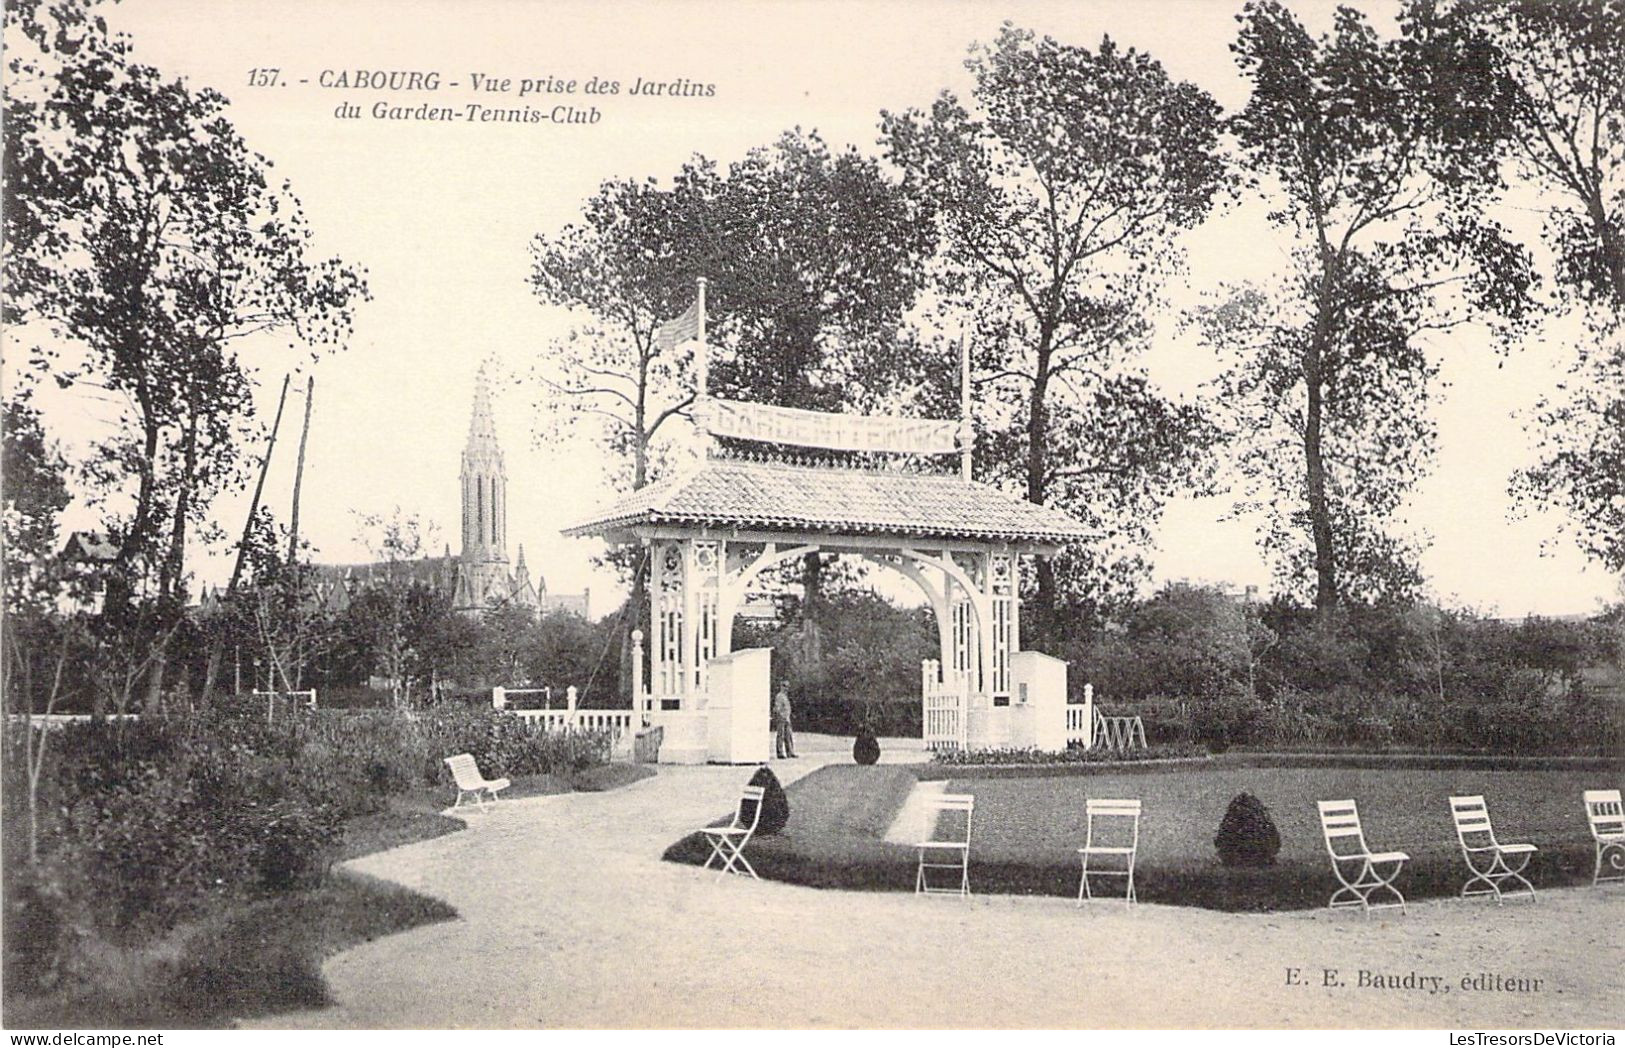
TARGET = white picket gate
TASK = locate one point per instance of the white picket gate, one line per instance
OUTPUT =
(946, 698)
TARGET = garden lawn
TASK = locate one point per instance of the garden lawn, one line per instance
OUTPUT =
(833, 839)
(1028, 827)
(1027, 830)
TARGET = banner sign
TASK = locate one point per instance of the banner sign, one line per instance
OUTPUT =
(817, 429)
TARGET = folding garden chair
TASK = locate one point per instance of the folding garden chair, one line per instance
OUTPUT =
(1113, 815)
(1487, 857)
(469, 780)
(943, 852)
(1345, 842)
(728, 842)
(1607, 819)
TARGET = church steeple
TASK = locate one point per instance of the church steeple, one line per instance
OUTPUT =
(483, 577)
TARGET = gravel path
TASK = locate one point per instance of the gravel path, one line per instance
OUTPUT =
(570, 919)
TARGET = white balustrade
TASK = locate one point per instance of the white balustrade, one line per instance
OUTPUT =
(621, 724)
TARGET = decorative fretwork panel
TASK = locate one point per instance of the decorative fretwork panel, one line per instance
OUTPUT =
(1001, 591)
(706, 562)
(668, 608)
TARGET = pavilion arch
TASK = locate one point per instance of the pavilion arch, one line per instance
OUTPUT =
(955, 650)
(714, 528)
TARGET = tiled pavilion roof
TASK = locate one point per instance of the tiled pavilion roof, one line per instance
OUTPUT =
(775, 496)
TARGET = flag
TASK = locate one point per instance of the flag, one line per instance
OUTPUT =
(679, 330)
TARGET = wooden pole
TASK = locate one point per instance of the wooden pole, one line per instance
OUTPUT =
(299, 474)
(217, 649)
(259, 488)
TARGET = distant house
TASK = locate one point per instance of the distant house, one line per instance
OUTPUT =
(86, 557)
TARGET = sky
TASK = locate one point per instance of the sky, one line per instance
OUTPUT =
(441, 215)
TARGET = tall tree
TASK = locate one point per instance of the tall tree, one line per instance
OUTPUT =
(142, 232)
(1552, 79)
(812, 258)
(1372, 160)
(1057, 192)
(1556, 73)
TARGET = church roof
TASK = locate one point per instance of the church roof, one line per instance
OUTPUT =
(783, 497)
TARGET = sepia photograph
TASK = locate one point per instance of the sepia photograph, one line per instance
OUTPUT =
(733, 515)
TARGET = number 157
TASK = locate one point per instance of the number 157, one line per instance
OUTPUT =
(263, 77)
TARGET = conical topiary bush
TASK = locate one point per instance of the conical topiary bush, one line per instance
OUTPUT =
(1247, 834)
(775, 805)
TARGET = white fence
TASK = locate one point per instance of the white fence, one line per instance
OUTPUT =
(946, 698)
(47, 721)
(621, 724)
(306, 698)
(1077, 725)
(1080, 718)
(617, 722)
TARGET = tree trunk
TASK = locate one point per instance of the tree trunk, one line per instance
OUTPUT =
(1612, 244)
(1320, 521)
(812, 587)
(1037, 475)
(1320, 516)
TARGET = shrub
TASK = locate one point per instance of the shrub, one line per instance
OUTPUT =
(1247, 834)
(296, 847)
(775, 805)
(866, 749)
(36, 935)
(1226, 720)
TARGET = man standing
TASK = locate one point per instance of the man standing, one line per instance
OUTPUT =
(784, 740)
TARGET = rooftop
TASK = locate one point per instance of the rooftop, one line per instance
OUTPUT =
(776, 496)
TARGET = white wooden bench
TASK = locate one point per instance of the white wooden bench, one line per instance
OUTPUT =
(469, 780)
(1607, 820)
(1345, 842)
(1487, 857)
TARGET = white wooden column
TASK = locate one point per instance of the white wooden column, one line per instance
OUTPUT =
(1001, 582)
(667, 610)
(705, 564)
(688, 638)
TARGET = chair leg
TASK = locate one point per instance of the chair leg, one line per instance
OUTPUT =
(716, 850)
(1517, 874)
(1478, 875)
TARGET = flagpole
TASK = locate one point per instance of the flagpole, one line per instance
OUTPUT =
(966, 430)
(699, 354)
(702, 374)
